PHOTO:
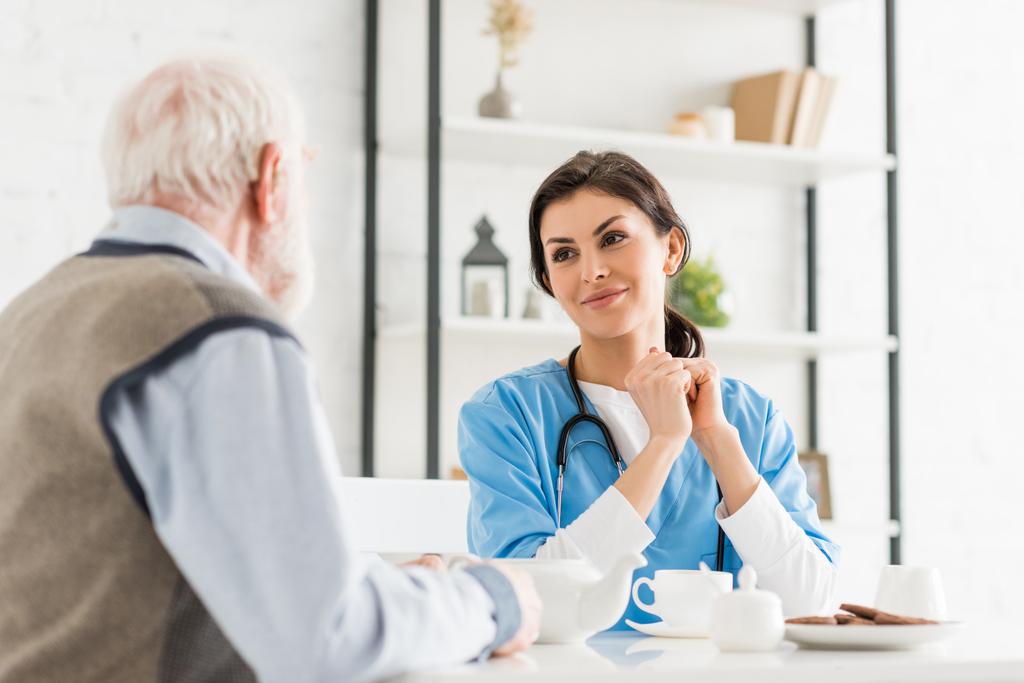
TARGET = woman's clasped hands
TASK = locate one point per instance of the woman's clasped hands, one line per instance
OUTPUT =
(677, 396)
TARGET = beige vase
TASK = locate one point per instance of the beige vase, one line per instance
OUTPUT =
(500, 103)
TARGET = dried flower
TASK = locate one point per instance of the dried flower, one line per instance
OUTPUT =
(512, 23)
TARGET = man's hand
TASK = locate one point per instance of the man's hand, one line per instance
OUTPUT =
(530, 607)
(429, 561)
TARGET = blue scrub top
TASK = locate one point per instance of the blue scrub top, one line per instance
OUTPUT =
(508, 440)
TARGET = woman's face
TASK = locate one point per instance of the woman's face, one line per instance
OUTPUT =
(606, 263)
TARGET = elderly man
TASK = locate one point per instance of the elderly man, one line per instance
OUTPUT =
(169, 502)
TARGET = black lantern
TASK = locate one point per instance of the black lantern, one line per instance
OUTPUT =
(485, 275)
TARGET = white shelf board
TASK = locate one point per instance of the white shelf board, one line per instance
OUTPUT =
(799, 7)
(806, 344)
(546, 146)
(838, 530)
(790, 344)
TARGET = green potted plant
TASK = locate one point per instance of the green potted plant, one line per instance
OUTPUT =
(699, 292)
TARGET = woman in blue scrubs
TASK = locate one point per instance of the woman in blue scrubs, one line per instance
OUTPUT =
(604, 240)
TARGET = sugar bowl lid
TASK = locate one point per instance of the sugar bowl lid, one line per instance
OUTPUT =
(748, 594)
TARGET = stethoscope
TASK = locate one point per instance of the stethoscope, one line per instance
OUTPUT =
(562, 458)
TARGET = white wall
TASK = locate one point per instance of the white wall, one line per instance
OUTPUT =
(63, 61)
(962, 145)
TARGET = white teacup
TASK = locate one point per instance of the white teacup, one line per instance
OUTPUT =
(911, 592)
(683, 598)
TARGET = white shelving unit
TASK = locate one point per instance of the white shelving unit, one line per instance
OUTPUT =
(799, 7)
(466, 352)
(546, 146)
(497, 332)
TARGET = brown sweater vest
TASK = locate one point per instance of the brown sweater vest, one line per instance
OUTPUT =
(87, 591)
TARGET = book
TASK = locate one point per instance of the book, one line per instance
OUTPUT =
(764, 106)
(806, 104)
(821, 110)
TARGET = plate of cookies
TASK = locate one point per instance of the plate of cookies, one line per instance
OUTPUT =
(857, 627)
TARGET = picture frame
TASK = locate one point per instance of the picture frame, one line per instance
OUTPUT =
(815, 467)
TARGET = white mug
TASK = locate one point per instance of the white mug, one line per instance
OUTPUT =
(720, 123)
(911, 592)
(683, 598)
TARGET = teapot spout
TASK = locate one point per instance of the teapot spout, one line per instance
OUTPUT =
(605, 601)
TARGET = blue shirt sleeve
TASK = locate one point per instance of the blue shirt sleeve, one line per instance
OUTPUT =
(509, 514)
(233, 452)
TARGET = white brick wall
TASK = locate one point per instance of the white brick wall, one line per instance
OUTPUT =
(63, 61)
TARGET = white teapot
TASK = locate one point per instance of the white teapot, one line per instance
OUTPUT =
(747, 619)
(578, 600)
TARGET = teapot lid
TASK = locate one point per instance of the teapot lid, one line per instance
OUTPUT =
(748, 593)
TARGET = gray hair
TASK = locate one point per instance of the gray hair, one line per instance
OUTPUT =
(194, 128)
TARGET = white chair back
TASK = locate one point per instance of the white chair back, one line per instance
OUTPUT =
(406, 516)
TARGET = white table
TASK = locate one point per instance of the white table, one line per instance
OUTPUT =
(994, 653)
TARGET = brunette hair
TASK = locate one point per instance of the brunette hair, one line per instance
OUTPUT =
(616, 175)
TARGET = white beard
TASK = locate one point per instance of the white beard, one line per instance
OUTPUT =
(284, 265)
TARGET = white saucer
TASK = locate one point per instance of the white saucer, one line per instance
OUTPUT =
(660, 629)
(893, 637)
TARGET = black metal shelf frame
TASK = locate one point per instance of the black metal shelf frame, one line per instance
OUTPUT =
(433, 329)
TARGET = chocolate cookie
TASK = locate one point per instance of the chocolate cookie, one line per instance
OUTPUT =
(830, 621)
(859, 610)
(886, 619)
(851, 620)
